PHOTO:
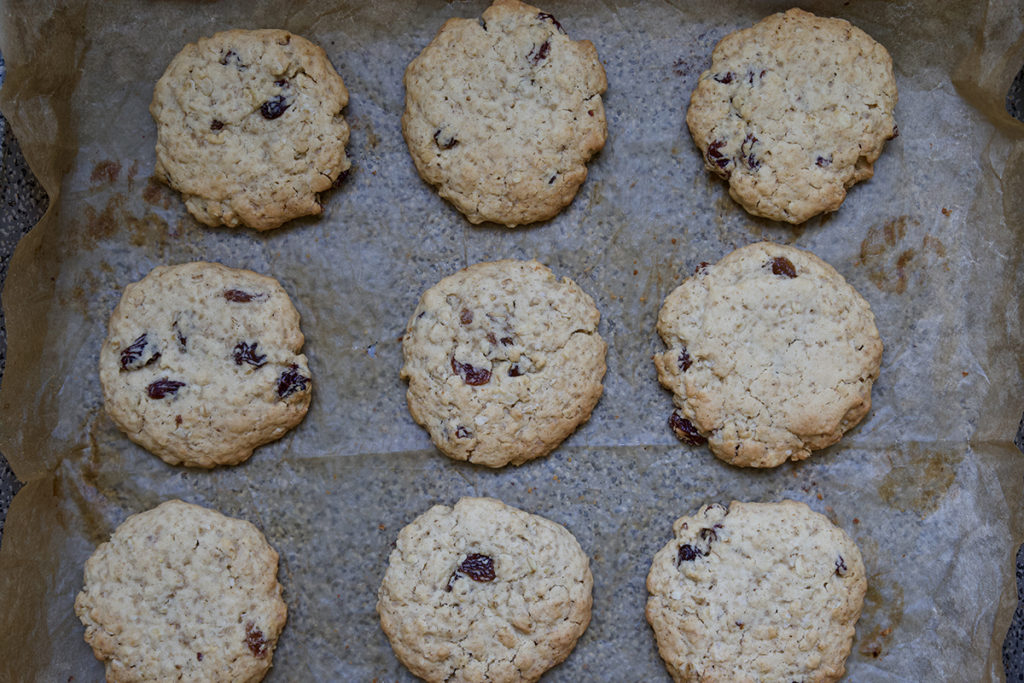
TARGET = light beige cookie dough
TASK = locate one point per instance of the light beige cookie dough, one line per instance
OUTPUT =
(771, 355)
(503, 362)
(502, 114)
(793, 112)
(756, 592)
(484, 592)
(183, 593)
(202, 364)
(249, 127)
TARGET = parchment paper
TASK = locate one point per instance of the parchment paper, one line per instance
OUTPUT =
(929, 484)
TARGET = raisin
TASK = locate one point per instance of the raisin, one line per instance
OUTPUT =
(246, 353)
(895, 132)
(684, 360)
(476, 566)
(539, 54)
(724, 78)
(514, 370)
(684, 430)
(687, 553)
(783, 266)
(824, 161)
(590, 112)
(748, 144)
(241, 297)
(544, 16)
(507, 341)
(216, 125)
(553, 179)
(274, 107)
(708, 534)
(342, 177)
(177, 420)
(163, 387)
(231, 58)
(702, 267)
(139, 354)
(444, 141)
(841, 567)
(199, 656)
(291, 381)
(466, 317)
(471, 375)
(283, 83)
(255, 640)
(715, 156)
(463, 433)
(182, 339)
(491, 338)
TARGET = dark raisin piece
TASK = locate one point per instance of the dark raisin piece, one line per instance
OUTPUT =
(139, 354)
(590, 112)
(824, 161)
(514, 370)
(255, 640)
(553, 179)
(841, 568)
(684, 360)
(708, 534)
(684, 430)
(342, 177)
(282, 83)
(895, 132)
(177, 420)
(163, 387)
(216, 125)
(783, 266)
(687, 553)
(471, 375)
(463, 433)
(231, 58)
(444, 141)
(199, 656)
(291, 381)
(466, 317)
(724, 78)
(702, 267)
(544, 16)
(715, 156)
(246, 353)
(274, 107)
(182, 339)
(539, 54)
(241, 297)
(491, 338)
(507, 341)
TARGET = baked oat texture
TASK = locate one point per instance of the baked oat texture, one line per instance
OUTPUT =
(771, 355)
(249, 127)
(183, 593)
(793, 112)
(201, 364)
(502, 114)
(758, 592)
(503, 362)
(484, 592)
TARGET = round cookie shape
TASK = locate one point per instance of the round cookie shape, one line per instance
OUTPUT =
(502, 114)
(771, 355)
(756, 592)
(202, 364)
(249, 127)
(793, 112)
(183, 593)
(503, 362)
(484, 591)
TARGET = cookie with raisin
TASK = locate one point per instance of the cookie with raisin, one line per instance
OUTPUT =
(181, 592)
(771, 355)
(793, 112)
(503, 361)
(756, 592)
(249, 127)
(202, 363)
(483, 591)
(503, 112)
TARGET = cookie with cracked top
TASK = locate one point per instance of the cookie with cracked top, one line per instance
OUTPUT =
(756, 592)
(202, 364)
(483, 591)
(503, 362)
(183, 593)
(502, 114)
(793, 112)
(771, 355)
(249, 127)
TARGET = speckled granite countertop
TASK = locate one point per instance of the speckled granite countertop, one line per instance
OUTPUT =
(23, 202)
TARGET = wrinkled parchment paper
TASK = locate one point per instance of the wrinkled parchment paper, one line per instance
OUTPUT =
(929, 484)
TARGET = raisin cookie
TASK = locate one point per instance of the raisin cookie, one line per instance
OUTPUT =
(201, 364)
(793, 112)
(503, 362)
(249, 127)
(183, 593)
(771, 355)
(484, 592)
(756, 592)
(502, 114)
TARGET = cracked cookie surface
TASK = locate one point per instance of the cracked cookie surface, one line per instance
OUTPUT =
(183, 593)
(202, 364)
(793, 112)
(503, 113)
(249, 127)
(484, 592)
(771, 355)
(756, 592)
(503, 362)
